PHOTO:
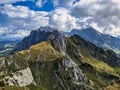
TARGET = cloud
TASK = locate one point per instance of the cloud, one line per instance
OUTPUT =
(18, 11)
(20, 19)
(21, 12)
(3, 31)
(40, 3)
(19, 34)
(105, 13)
(61, 19)
(10, 1)
(64, 3)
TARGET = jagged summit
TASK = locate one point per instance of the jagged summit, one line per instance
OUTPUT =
(39, 35)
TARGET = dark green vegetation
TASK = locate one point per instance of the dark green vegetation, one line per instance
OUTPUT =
(62, 63)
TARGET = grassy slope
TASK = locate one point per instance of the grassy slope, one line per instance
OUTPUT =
(22, 88)
(41, 50)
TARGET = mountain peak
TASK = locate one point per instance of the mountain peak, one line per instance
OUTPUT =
(90, 30)
(39, 35)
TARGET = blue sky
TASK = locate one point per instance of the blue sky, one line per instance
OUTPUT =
(47, 6)
(19, 17)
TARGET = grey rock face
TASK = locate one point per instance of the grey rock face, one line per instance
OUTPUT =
(62, 75)
(73, 78)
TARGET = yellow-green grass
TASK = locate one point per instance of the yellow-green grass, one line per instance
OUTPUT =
(43, 51)
(100, 66)
(31, 87)
(13, 88)
(113, 86)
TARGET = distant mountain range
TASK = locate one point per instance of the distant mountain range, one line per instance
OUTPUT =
(101, 40)
(7, 46)
(104, 41)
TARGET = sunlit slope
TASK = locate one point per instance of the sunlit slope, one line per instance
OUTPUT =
(42, 52)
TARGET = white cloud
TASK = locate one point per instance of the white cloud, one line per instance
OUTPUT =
(39, 3)
(3, 30)
(21, 12)
(21, 19)
(63, 3)
(61, 19)
(19, 34)
(18, 11)
(11, 1)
